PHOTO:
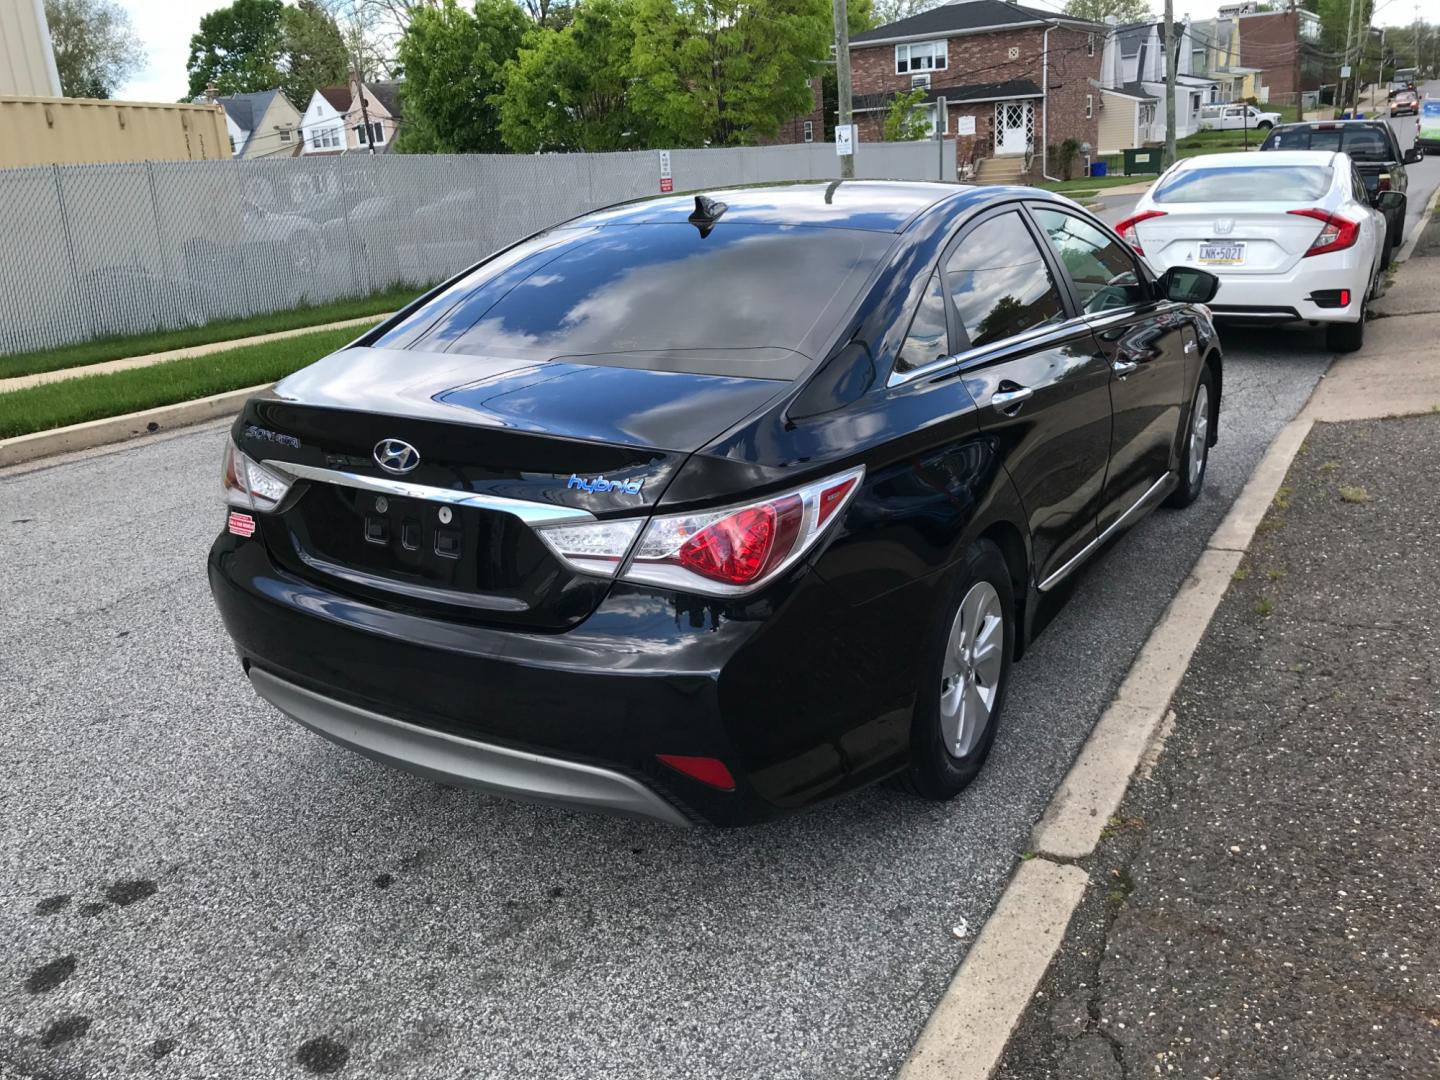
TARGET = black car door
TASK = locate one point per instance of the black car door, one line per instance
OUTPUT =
(1030, 363)
(1144, 341)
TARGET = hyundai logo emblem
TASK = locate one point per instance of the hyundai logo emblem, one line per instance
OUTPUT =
(396, 456)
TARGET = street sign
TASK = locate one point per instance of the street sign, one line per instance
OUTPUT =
(964, 125)
(667, 182)
(1344, 71)
(844, 141)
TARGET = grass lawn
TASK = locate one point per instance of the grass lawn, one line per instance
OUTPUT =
(92, 397)
(1091, 183)
(119, 348)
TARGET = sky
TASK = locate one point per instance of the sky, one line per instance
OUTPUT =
(165, 26)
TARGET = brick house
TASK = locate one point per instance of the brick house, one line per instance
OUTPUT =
(1026, 78)
(1284, 47)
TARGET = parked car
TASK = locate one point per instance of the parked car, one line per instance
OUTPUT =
(1292, 235)
(1235, 117)
(1373, 148)
(714, 507)
(1404, 103)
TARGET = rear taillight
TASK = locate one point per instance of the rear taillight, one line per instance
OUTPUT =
(249, 485)
(1336, 232)
(720, 552)
(1127, 231)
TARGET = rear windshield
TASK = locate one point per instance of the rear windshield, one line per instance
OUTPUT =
(1361, 143)
(746, 299)
(1246, 183)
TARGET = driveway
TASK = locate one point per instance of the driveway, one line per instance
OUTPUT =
(190, 876)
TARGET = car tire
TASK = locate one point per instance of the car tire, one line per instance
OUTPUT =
(1346, 337)
(1264, 125)
(1195, 446)
(957, 709)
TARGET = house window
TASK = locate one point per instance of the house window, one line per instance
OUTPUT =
(232, 145)
(377, 134)
(932, 111)
(1089, 44)
(1089, 106)
(809, 131)
(921, 56)
(285, 134)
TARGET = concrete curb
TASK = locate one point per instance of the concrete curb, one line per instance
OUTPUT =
(1419, 230)
(116, 429)
(967, 1034)
(108, 367)
(968, 1030)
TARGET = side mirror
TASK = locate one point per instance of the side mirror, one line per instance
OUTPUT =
(1389, 200)
(1189, 285)
(1413, 156)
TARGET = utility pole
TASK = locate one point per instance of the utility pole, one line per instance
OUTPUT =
(1169, 83)
(1344, 87)
(364, 105)
(842, 82)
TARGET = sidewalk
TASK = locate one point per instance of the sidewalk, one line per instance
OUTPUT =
(1264, 902)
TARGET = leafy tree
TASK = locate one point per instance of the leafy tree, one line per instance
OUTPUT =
(888, 11)
(905, 122)
(238, 48)
(725, 72)
(1125, 11)
(96, 49)
(569, 90)
(453, 61)
(313, 51)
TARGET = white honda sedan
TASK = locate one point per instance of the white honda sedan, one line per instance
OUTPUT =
(1292, 235)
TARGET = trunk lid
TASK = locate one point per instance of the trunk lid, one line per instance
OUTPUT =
(498, 441)
(1271, 239)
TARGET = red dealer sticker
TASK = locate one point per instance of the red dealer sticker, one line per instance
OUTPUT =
(241, 524)
(667, 185)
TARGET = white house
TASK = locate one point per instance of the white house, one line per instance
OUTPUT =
(1132, 87)
(324, 122)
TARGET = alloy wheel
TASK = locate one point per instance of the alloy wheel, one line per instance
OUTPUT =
(1199, 433)
(970, 676)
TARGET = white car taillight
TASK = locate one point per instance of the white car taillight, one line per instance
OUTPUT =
(1336, 232)
(249, 485)
(718, 552)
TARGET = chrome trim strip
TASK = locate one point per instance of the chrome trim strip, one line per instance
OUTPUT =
(532, 513)
(411, 589)
(1155, 493)
(497, 769)
(1066, 329)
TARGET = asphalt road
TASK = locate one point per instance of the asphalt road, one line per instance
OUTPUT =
(189, 877)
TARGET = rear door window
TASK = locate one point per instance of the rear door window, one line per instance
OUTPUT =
(999, 281)
(929, 338)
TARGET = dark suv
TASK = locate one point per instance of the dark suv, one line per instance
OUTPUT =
(1371, 146)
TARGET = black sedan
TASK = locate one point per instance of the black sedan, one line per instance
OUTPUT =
(711, 508)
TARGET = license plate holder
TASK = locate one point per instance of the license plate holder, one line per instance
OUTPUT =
(1226, 253)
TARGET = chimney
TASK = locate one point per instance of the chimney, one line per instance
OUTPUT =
(211, 93)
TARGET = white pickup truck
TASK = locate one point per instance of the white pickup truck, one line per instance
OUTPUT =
(1232, 117)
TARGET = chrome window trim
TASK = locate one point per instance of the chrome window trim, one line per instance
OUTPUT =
(532, 513)
(1153, 494)
(1035, 335)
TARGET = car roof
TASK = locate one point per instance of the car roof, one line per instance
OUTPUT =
(1328, 125)
(1271, 159)
(875, 205)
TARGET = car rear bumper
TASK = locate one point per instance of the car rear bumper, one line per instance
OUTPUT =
(1289, 297)
(453, 760)
(579, 718)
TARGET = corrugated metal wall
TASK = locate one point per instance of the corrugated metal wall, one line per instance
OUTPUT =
(69, 131)
(103, 250)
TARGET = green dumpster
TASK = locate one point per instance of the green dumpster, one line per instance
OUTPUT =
(1142, 161)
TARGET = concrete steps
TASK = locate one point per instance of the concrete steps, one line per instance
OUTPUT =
(1001, 170)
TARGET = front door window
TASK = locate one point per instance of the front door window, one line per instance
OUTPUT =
(1014, 127)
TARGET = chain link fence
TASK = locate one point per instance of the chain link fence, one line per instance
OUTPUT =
(103, 250)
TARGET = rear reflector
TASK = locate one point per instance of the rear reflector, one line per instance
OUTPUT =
(1331, 298)
(708, 770)
(1336, 232)
(1127, 232)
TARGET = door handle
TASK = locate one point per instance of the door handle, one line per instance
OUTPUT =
(1124, 367)
(1007, 400)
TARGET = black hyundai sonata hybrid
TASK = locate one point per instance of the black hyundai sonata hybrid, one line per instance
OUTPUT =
(711, 508)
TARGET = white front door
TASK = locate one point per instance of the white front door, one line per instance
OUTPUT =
(1014, 122)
